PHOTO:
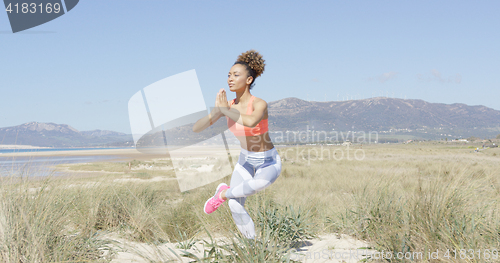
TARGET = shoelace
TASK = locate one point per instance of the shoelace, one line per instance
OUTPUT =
(216, 201)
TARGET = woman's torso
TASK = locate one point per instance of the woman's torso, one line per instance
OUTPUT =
(254, 143)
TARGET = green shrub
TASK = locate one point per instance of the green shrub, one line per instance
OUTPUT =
(287, 225)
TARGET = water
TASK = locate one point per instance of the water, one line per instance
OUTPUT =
(44, 165)
(54, 149)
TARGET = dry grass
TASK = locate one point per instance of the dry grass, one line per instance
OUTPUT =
(401, 198)
(414, 197)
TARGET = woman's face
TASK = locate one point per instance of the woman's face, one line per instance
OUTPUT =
(238, 78)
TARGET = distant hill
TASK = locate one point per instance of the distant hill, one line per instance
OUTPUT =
(399, 118)
(60, 135)
(384, 114)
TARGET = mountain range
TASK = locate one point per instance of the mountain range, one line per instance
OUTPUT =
(384, 114)
(60, 135)
(387, 116)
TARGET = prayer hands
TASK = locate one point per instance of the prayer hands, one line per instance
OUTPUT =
(221, 101)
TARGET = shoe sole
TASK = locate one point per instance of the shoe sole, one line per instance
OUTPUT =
(216, 191)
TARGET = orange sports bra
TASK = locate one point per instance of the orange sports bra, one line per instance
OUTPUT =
(241, 130)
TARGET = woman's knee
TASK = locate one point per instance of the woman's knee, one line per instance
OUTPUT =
(249, 192)
(256, 186)
(266, 176)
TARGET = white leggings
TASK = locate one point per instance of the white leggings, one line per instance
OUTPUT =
(253, 172)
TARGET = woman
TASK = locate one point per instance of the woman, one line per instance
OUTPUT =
(259, 164)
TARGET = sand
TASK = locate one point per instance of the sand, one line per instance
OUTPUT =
(327, 248)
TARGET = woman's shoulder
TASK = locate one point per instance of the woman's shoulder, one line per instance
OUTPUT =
(257, 100)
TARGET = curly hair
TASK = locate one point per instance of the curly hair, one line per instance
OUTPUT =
(253, 62)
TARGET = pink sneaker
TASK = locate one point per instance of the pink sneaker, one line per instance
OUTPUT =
(214, 202)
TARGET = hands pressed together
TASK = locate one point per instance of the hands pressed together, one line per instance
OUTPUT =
(221, 102)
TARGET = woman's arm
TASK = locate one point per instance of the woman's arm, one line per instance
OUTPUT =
(206, 121)
(251, 120)
(247, 120)
(211, 118)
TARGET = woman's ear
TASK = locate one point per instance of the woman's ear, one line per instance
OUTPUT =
(249, 80)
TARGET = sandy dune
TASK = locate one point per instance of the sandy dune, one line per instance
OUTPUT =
(326, 248)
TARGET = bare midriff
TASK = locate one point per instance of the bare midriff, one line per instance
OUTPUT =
(257, 143)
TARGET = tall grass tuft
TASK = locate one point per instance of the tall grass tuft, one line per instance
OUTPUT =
(279, 230)
(448, 211)
(286, 224)
(35, 224)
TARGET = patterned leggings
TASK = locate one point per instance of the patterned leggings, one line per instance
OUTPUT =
(253, 172)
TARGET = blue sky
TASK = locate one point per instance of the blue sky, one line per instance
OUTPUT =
(82, 68)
